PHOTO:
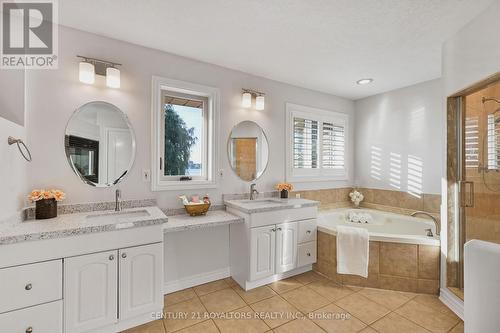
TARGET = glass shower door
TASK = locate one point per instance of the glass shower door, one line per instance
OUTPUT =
(480, 170)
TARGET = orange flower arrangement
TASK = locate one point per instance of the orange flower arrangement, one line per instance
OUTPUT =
(284, 186)
(37, 195)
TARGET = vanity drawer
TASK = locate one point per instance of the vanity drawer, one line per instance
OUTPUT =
(282, 216)
(306, 254)
(307, 231)
(28, 285)
(45, 318)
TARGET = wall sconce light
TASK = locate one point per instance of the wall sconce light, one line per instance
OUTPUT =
(246, 99)
(86, 72)
(113, 77)
(88, 67)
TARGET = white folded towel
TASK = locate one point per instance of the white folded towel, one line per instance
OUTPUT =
(352, 251)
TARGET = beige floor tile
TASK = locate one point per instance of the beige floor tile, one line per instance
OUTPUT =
(210, 287)
(389, 298)
(285, 285)
(394, 323)
(255, 295)
(459, 328)
(305, 299)
(433, 302)
(363, 308)
(152, 327)
(330, 290)
(184, 314)
(207, 326)
(427, 317)
(302, 325)
(179, 296)
(222, 301)
(309, 277)
(241, 320)
(333, 319)
(231, 282)
(275, 311)
(369, 330)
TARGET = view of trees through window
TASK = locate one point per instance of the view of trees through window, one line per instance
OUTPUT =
(183, 140)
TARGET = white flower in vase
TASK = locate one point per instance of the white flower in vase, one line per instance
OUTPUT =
(356, 197)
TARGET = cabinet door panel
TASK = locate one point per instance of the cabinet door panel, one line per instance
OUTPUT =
(286, 246)
(90, 291)
(141, 276)
(262, 252)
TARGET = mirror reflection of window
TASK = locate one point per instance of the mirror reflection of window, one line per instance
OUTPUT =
(248, 150)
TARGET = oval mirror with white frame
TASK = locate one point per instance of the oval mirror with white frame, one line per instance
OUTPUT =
(248, 150)
(100, 144)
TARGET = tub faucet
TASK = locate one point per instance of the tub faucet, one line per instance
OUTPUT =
(253, 191)
(118, 200)
(433, 219)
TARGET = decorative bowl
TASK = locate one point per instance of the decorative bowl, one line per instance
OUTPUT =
(197, 209)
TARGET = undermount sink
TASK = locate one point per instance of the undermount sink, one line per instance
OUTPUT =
(117, 216)
(258, 202)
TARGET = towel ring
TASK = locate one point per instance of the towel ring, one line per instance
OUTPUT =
(20, 142)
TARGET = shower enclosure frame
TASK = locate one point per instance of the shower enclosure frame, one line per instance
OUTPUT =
(459, 192)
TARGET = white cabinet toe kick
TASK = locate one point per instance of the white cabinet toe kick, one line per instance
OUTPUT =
(272, 245)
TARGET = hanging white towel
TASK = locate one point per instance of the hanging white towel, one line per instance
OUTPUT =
(352, 251)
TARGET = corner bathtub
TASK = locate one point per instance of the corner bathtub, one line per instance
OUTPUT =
(383, 226)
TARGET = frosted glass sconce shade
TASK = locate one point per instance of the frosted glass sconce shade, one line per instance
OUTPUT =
(246, 100)
(259, 103)
(112, 77)
(86, 72)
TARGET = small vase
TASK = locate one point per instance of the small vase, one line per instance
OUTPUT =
(284, 194)
(45, 209)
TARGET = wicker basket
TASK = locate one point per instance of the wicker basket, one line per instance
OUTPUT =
(197, 209)
(45, 209)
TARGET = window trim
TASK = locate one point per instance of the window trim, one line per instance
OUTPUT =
(320, 115)
(160, 84)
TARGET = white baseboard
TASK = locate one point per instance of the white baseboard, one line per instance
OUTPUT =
(276, 277)
(452, 301)
(195, 280)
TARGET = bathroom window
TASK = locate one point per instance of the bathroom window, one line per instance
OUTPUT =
(185, 120)
(316, 149)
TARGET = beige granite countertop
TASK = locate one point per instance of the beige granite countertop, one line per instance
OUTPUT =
(66, 225)
(214, 218)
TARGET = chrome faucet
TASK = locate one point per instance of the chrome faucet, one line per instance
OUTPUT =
(429, 231)
(253, 191)
(118, 200)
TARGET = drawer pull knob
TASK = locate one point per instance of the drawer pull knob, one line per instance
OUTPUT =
(29, 286)
(279, 229)
(124, 255)
(308, 231)
(308, 254)
(111, 257)
(273, 230)
(29, 330)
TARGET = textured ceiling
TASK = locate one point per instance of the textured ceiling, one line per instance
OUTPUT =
(324, 45)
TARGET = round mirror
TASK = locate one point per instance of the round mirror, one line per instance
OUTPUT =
(100, 144)
(248, 150)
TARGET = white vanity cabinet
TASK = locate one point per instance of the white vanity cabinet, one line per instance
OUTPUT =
(101, 289)
(262, 252)
(286, 246)
(90, 291)
(272, 245)
(140, 280)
